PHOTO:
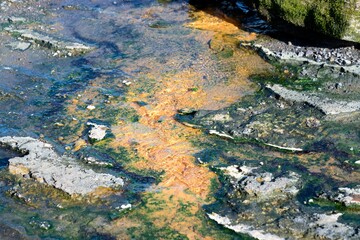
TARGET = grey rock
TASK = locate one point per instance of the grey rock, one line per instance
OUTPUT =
(64, 47)
(308, 53)
(326, 105)
(97, 131)
(16, 19)
(349, 196)
(338, 85)
(327, 226)
(43, 164)
(301, 54)
(262, 186)
(290, 56)
(22, 46)
(243, 228)
(263, 190)
(346, 62)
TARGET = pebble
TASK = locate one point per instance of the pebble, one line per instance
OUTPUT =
(125, 206)
(90, 107)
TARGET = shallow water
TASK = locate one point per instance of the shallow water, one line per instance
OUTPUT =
(150, 59)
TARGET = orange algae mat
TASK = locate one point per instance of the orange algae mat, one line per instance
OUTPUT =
(163, 144)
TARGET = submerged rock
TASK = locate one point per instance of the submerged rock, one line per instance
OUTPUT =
(13, 19)
(22, 46)
(43, 164)
(62, 47)
(10, 233)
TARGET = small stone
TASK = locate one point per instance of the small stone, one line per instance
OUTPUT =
(90, 107)
(16, 19)
(97, 132)
(308, 53)
(312, 122)
(346, 62)
(338, 85)
(125, 206)
(57, 124)
(127, 83)
(186, 111)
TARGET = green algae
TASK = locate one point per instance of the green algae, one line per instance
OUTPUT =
(288, 76)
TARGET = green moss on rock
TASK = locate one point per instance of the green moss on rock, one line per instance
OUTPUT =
(330, 17)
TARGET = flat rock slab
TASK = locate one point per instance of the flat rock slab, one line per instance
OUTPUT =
(326, 105)
(67, 47)
(19, 45)
(43, 164)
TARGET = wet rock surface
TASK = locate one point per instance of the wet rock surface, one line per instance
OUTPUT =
(43, 164)
(327, 106)
(307, 106)
(265, 120)
(254, 212)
